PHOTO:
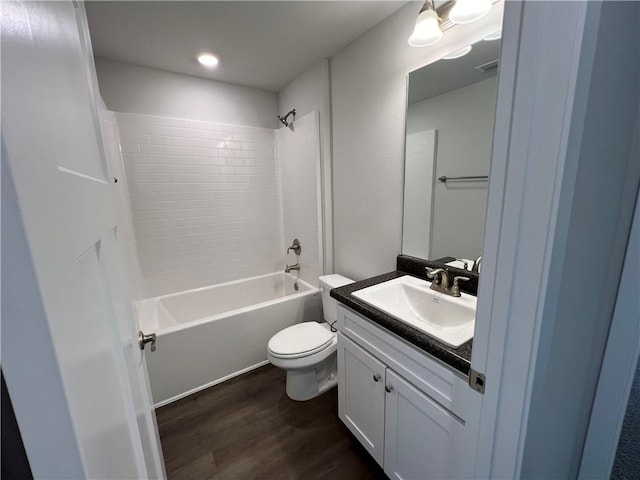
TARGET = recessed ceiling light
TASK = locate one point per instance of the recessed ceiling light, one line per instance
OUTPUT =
(461, 52)
(497, 35)
(208, 60)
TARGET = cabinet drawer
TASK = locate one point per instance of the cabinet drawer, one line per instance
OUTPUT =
(447, 387)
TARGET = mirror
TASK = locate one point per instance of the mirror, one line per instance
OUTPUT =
(450, 118)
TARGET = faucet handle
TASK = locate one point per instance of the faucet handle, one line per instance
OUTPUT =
(296, 246)
(435, 275)
(465, 264)
(455, 289)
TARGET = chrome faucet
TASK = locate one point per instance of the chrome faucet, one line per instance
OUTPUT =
(288, 268)
(441, 282)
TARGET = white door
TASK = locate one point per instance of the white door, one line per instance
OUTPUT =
(53, 148)
(361, 380)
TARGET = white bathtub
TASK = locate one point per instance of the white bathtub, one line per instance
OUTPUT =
(208, 335)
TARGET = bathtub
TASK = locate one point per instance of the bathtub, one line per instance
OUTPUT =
(208, 335)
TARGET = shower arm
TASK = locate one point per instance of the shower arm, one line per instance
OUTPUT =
(284, 121)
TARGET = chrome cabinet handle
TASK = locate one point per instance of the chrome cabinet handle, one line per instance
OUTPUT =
(144, 339)
(376, 377)
(388, 388)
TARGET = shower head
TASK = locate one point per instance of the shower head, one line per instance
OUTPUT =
(284, 121)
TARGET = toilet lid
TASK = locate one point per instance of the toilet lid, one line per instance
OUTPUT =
(300, 339)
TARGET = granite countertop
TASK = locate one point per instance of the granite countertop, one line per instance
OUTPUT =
(457, 358)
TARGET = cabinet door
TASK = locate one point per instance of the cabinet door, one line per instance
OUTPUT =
(361, 380)
(422, 439)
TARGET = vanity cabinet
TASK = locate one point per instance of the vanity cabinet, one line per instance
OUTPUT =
(361, 395)
(393, 408)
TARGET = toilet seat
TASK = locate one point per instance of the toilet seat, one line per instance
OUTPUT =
(300, 340)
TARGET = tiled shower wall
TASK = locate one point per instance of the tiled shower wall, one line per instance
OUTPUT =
(204, 198)
(298, 159)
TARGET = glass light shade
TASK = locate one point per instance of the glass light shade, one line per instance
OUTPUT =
(497, 35)
(467, 11)
(427, 30)
(461, 52)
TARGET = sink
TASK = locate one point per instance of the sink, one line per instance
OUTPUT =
(449, 319)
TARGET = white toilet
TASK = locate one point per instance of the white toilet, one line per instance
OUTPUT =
(307, 351)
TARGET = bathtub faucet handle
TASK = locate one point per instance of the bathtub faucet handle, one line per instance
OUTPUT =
(144, 339)
(295, 246)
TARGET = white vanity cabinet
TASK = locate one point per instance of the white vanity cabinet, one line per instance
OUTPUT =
(405, 407)
(361, 396)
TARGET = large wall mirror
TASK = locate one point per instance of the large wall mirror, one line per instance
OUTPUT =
(450, 119)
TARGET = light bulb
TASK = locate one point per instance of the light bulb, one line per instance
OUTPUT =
(467, 11)
(427, 30)
(208, 60)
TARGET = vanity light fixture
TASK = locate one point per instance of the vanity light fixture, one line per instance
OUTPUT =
(209, 60)
(467, 11)
(427, 29)
(497, 35)
(461, 52)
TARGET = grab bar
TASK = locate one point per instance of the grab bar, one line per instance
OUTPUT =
(445, 179)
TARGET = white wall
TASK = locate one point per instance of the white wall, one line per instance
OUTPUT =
(368, 88)
(204, 198)
(134, 89)
(464, 120)
(310, 92)
(298, 153)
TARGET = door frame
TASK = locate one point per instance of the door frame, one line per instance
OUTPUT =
(618, 367)
(550, 127)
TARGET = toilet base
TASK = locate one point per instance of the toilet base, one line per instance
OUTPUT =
(305, 384)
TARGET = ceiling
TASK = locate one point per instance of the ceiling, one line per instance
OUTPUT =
(260, 44)
(447, 75)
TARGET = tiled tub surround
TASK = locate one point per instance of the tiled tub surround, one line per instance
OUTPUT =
(458, 358)
(204, 198)
(298, 155)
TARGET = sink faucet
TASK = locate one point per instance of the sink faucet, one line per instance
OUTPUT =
(288, 268)
(440, 282)
(476, 265)
(440, 278)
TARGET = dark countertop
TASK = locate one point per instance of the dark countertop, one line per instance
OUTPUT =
(458, 358)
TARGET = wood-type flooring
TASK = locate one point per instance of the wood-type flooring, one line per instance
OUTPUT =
(247, 428)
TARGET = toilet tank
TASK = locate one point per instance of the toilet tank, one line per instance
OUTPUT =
(330, 305)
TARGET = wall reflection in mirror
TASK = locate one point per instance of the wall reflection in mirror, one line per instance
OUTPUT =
(450, 119)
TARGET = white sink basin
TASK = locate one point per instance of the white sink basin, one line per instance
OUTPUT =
(409, 299)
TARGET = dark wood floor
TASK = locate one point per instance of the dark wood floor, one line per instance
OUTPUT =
(247, 428)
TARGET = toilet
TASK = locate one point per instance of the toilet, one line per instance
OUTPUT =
(307, 350)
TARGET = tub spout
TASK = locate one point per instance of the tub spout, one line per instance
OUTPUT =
(288, 268)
